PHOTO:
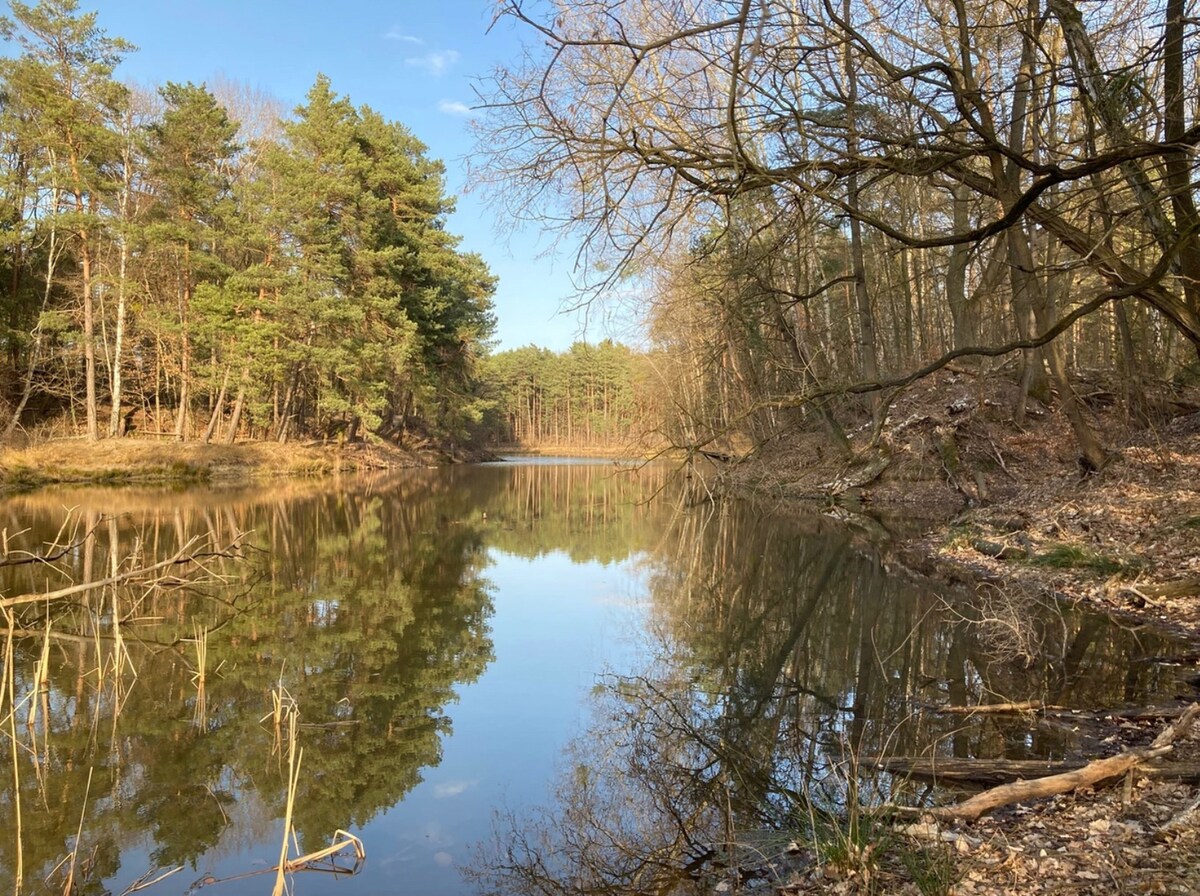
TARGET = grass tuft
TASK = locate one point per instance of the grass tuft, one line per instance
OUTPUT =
(931, 868)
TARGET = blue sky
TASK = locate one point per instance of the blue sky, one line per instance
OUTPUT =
(413, 62)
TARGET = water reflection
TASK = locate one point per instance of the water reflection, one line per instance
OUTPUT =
(368, 601)
(780, 657)
(776, 651)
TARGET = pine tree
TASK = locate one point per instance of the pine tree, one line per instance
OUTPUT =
(63, 80)
(190, 150)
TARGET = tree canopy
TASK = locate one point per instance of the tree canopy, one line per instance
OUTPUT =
(837, 196)
(206, 277)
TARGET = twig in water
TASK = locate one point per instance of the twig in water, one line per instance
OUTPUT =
(144, 881)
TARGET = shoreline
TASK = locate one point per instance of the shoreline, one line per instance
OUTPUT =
(138, 461)
(1006, 508)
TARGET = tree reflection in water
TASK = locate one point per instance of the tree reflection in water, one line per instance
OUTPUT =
(781, 654)
(778, 650)
(369, 601)
(371, 608)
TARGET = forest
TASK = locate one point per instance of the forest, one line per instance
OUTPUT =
(824, 201)
(944, 252)
(599, 396)
(191, 262)
(814, 205)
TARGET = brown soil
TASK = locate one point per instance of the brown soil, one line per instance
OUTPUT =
(980, 499)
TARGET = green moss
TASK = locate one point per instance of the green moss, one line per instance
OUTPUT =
(1070, 556)
(104, 477)
(22, 478)
(182, 471)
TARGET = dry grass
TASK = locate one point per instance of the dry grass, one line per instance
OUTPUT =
(133, 460)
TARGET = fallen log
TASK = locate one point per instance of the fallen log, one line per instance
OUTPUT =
(1095, 772)
(993, 772)
(1000, 551)
(1129, 713)
(999, 708)
(1155, 591)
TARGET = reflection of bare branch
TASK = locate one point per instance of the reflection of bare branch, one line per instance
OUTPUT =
(52, 553)
(191, 554)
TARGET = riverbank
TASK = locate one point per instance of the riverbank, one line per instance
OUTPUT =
(979, 503)
(129, 460)
(1004, 511)
(615, 453)
(977, 500)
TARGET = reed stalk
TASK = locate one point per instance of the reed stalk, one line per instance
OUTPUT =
(283, 705)
(69, 883)
(200, 676)
(9, 685)
(294, 759)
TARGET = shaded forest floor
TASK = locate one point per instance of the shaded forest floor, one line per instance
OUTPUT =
(131, 460)
(988, 505)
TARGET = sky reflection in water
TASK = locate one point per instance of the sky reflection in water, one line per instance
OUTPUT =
(474, 641)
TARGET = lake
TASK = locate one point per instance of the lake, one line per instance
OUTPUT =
(500, 675)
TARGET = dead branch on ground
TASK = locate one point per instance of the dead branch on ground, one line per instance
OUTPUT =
(1096, 772)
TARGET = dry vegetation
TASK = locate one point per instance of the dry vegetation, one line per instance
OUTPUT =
(131, 460)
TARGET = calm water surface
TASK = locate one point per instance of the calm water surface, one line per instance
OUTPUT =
(502, 673)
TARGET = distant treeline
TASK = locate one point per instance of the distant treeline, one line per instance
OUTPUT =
(194, 263)
(591, 396)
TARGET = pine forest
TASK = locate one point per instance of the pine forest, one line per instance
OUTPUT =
(193, 263)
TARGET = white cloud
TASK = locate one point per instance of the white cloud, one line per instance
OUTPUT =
(436, 62)
(454, 107)
(400, 35)
(452, 789)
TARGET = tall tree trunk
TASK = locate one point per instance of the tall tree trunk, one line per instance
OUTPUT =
(114, 424)
(89, 334)
(218, 409)
(185, 361)
(235, 419)
(89, 313)
(963, 314)
(858, 268)
(1178, 162)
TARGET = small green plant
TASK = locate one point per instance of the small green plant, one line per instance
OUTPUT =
(21, 477)
(186, 472)
(959, 536)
